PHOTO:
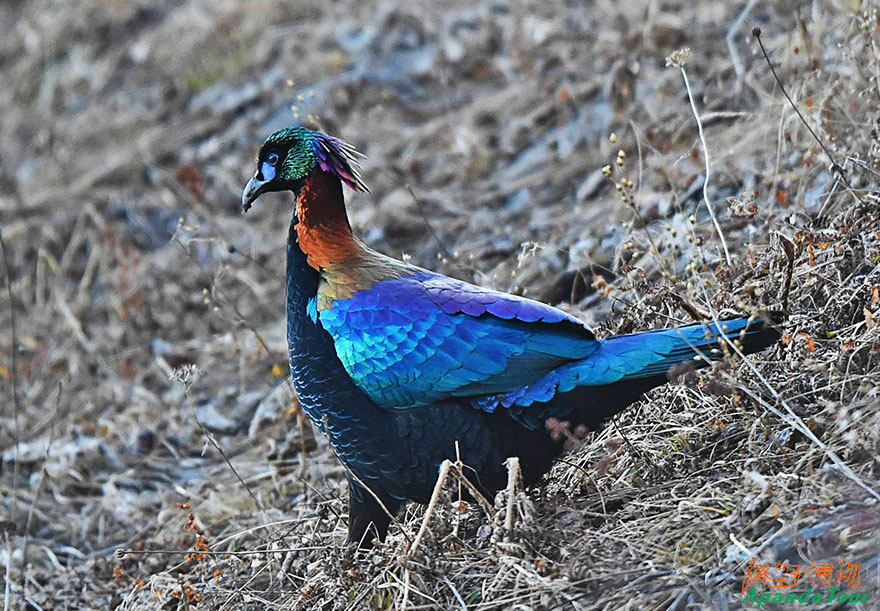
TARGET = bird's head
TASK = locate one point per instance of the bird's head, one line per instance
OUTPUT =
(290, 156)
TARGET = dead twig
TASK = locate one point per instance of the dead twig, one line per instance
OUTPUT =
(679, 59)
(187, 378)
(513, 475)
(16, 408)
(756, 32)
(445, 468)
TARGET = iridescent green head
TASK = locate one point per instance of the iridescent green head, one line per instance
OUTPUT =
(289, 156)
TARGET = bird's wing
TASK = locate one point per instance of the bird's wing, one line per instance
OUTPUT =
(425, 338)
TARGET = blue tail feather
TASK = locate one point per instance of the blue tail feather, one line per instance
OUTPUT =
(649, 356)
(655, 352)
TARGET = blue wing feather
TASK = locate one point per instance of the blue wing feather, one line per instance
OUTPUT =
(424, 338)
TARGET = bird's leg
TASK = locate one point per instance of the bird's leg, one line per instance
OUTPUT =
(369, 516)
(513, 475)
(445, 467)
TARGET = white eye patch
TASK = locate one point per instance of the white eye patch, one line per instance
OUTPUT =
(268, 171)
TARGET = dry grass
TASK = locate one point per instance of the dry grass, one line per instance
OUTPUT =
(148, 314)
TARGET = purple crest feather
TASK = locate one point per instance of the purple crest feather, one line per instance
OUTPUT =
(340, 158)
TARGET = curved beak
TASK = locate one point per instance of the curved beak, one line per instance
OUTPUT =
(251, 192)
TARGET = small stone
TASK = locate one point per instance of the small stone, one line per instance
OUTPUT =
(145, 441)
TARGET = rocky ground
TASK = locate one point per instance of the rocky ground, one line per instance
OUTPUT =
(145, 406)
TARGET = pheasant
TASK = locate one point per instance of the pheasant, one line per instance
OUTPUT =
(402, 367)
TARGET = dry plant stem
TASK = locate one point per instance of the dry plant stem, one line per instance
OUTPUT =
(243, 320)
(629, 444)
(789, 248)
(303, 446)
(711, 210)
(300, 419)
(84, 342)
(240, 590)
(687, 306)
(218, 296)
(756, 32)
(16, 434)
(513, 473)
(484, 503)
(256, 333)
(246, 531)
(641, 160)
(445, 468)
(740, 545)
(458, 465)
(13, 361)
(285, 566)
(43, 476)
(757, 551)
(654, 250)
(590, 478)
(780, 132)
(794, 420)
(7, 580)
(13, 364)
(861, 163)
(428, 224)
(122, 553)
(210, 437)
(532, 575)
(455, 593)
(407, 587)
(731, 47)
(405, 599)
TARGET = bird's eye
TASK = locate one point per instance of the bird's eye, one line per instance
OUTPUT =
(272, 158)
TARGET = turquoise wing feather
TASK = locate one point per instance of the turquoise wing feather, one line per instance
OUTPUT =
(426, 338)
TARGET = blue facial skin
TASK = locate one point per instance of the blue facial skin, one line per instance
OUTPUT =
(268, 171)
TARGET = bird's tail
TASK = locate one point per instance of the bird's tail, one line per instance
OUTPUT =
(650, 358)
(653, 353)
(624, 367)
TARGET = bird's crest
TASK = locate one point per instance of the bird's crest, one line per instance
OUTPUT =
(340, 158)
